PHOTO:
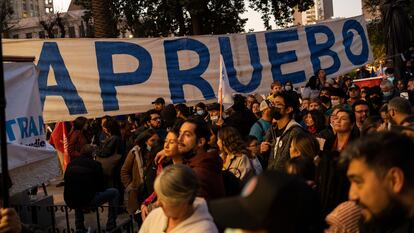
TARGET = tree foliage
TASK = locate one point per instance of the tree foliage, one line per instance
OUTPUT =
(281, 10)
(51, 21)
(6, 12)
(375, 27)
(153, 18)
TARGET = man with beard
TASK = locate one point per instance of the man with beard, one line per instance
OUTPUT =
(278, 139)
(381, 172)
(192, 145)
(399, 110)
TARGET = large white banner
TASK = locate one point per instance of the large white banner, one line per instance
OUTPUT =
(96, 77)
(31, 159)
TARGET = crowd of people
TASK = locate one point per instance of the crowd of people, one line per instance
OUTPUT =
(334, 157)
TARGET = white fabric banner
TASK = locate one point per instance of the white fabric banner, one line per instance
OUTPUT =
(97, 77)
(31, 159)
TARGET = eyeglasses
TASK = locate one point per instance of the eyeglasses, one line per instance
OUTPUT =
(279, 105)
(155, 118)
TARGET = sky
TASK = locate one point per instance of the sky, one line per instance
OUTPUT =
(342, 8)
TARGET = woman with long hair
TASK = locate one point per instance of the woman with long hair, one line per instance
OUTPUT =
(111, 151)
(334, 184)
(132, 171)
(234, 154)
(77, 137)
(314, 121)
(170, 150)
(312, 88)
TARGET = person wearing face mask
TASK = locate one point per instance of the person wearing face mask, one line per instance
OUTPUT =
(201, 110)
(132, 171)
(389, 74)
(213, 112)
(289, 89)
(337, 98)
(388, 90)
(278, 139)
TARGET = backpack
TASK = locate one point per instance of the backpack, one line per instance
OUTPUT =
(81, 184)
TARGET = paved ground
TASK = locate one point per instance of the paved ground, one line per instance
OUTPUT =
(61, 212)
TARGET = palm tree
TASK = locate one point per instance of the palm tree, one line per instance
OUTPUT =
(102, 19)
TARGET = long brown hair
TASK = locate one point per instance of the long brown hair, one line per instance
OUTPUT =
(232, 141)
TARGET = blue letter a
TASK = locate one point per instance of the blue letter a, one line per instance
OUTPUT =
(50, 56)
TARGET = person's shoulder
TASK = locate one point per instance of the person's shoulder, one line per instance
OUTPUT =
(154, 221)
(207, 161)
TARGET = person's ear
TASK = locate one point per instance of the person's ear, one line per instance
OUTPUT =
(395, 179)
(201, 142)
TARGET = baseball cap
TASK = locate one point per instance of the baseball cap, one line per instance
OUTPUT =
(272, 201)
(353, 86)
(264, 105)
(159, 100)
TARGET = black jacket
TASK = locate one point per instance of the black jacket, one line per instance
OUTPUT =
(83, 179)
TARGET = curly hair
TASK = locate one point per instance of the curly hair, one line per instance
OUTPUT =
(232, 140)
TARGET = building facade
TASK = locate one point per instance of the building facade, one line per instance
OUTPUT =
(321, 10)
(31, 8)
(28, 28)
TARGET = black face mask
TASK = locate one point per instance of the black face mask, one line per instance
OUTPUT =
(275, 113)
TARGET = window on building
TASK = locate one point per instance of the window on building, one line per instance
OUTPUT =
(72, 33)
(29, 35)
(16, 36)
(24, 6)
(24, 15)
(42, 34)
(50, 1)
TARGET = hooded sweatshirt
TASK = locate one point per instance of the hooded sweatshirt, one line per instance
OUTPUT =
(280, 145)
(199, 222)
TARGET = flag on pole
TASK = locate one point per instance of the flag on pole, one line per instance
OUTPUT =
(225, 91)
(59, 139)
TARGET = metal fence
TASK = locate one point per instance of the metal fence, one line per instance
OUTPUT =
(61, 219)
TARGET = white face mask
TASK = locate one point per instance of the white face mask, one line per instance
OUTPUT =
(214, 118)
(335, 102)
(148, 148)
(200, 112)
(288, 88)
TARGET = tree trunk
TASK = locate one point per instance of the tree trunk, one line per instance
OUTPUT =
(102, 22)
